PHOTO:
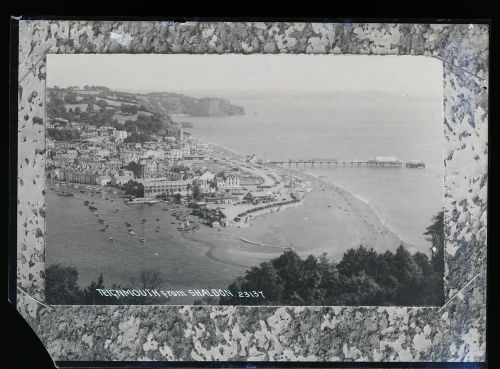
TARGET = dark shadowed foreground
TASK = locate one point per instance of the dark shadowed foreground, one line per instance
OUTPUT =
(362, 277)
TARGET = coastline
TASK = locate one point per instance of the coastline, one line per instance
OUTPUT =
(362, 226)
(360, 198)
(331, 220)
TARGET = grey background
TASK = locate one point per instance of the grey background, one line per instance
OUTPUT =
(454, 332)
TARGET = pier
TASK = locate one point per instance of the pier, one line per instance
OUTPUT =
(373, 163)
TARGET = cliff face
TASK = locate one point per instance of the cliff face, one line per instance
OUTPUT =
(180, 104)
(216, 107)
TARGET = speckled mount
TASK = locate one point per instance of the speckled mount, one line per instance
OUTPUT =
(453, 332)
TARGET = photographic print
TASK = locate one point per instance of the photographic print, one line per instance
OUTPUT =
(252, 191)
(244, 180)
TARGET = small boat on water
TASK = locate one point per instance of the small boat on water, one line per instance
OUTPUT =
(143, 240)
(142, 200)
(64, 191)
(131, 232)
(111, 239)
(92, 207)
(82, 191)
(86, 203)
(101, 221)
(103, 229)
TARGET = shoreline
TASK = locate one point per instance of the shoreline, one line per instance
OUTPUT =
(332, 186)
(359, 198)
(331, 220)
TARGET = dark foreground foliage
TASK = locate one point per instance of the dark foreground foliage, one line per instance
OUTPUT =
(362, 277)
(62, 288)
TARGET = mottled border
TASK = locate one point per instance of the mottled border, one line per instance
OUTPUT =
(454, 332)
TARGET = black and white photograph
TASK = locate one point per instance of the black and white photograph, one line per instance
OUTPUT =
(304, 180)
(211, 191)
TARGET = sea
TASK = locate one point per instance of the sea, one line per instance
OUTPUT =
(345, 126)
(348, 126)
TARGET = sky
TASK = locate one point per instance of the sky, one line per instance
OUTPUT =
(188, 72)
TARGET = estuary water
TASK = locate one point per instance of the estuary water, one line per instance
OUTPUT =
(337, 125)
(348, 126)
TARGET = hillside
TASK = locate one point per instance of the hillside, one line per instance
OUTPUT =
(171, 103)
(165, 103)
(141, 115)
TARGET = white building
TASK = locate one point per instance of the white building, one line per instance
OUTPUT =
(162, 186)
(205, 182)
(121, 177)
(106, 131)
(120, 136)
(175, 154)
(227, 182)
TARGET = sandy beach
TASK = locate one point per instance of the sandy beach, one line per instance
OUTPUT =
(330, 221)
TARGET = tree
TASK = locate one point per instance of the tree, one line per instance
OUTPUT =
(148, 279)
(90, 294)
(435, 233)
(362, 277)
(133, 188)
(61, 285)
(197, 195)
(70, 98)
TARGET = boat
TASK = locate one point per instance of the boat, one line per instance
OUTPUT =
(143, 240)
(82, 191)
(101, 221)
(142, 200)
(103, 229)
(86, 203)
(92, 207)
(65, 194)
(111, 239)
(131, 232)
(65, 191)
